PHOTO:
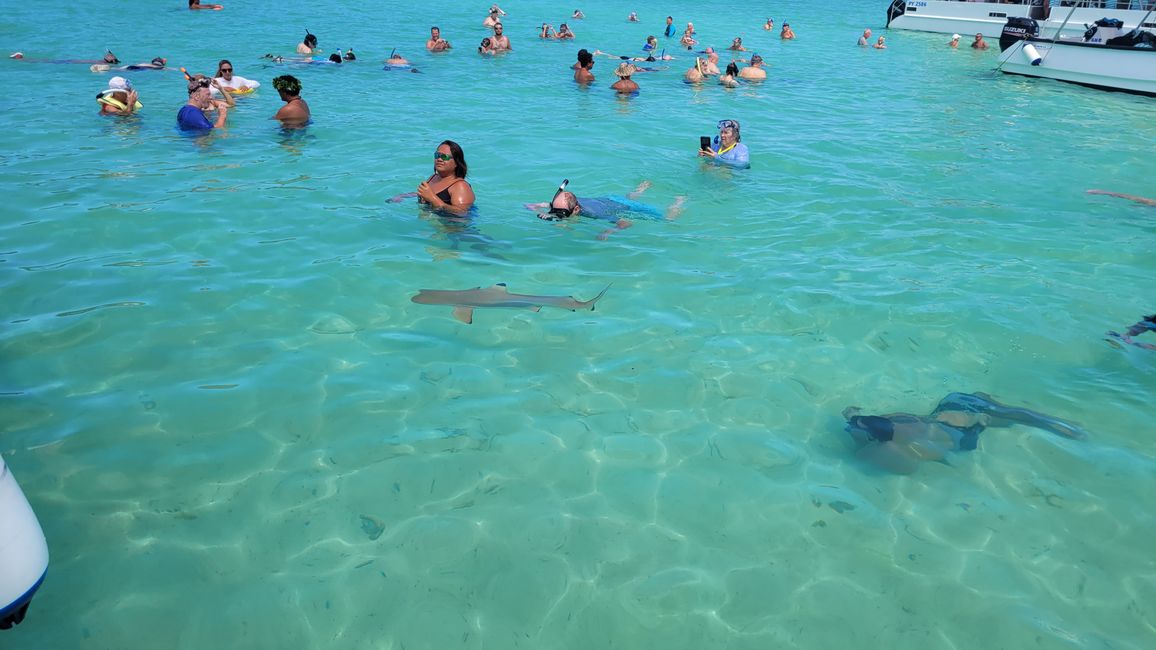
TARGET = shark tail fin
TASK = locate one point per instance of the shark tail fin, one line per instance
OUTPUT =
(596, 298)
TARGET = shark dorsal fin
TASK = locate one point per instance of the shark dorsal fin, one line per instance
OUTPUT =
(501, 286)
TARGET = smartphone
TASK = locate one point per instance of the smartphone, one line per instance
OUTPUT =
(704, 142)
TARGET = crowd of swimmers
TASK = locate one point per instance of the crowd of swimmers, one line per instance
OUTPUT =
(446, 190)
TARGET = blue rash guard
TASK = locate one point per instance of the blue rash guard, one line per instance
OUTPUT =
(612, 208)
(738, 156)
(191, 118)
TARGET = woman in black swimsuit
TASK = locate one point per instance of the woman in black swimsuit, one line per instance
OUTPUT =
(447, 189)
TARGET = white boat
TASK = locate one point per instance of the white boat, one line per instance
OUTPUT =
(23, 551)
(988, 18)
(1107, 57)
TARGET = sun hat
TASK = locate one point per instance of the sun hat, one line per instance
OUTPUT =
(119, 83)
(625, 70)
(955, 37)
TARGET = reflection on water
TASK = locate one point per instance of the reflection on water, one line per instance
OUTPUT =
(460, 232)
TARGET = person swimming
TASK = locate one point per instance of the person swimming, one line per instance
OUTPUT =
(615, 209)
(1145, 324)
(898, 441)
(158, 63)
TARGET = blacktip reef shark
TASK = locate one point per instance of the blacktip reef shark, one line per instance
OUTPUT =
(465, 301)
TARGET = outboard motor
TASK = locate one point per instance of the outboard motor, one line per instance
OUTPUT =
(897, 8)
(23, 551)
(1017, 28)
(1103, 30)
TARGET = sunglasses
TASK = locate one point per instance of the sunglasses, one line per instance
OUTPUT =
(226, 69)
(443, 156)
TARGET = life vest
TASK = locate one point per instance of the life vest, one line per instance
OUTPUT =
(106, 98)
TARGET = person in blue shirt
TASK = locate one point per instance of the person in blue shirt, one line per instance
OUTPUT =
(192, 117)
(1145, 324)
(728, 148)
(614, 209)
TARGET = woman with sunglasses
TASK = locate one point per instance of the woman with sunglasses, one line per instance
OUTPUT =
(447, 190)
(236, 84)
(727, 148)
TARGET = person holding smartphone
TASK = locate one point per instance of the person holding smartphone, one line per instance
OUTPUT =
(726, 148)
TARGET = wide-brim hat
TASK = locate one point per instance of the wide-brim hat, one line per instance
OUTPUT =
(625, 70)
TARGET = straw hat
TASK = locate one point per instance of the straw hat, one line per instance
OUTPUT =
(625, 70)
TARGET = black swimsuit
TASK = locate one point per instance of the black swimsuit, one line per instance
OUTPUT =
(444, 194)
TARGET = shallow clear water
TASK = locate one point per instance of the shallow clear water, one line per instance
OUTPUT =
(238, 431)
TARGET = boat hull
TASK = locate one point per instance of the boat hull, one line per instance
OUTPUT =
(1123, 69)
(23, 551)
(988, 18)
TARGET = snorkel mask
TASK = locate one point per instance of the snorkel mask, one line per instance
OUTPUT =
(559, 213)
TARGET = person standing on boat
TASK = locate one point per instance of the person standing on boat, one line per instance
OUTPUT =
(954, 43)
(979, 43)
(865, 39)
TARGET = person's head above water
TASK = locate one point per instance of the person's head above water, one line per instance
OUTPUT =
(731, 127)
(585, 58)
(310, 40)
(732, 68)
(756, 60)
(287, 84)
(564, 204)
(450, 153)
(159, 61)
(624, 70)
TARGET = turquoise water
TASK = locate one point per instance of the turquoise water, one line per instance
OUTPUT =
(238, 431)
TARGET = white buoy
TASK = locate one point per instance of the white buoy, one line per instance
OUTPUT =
(23, 551)
(1032, 54)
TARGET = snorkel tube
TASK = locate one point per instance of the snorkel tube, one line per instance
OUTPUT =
(552, 213)
(561, 188)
